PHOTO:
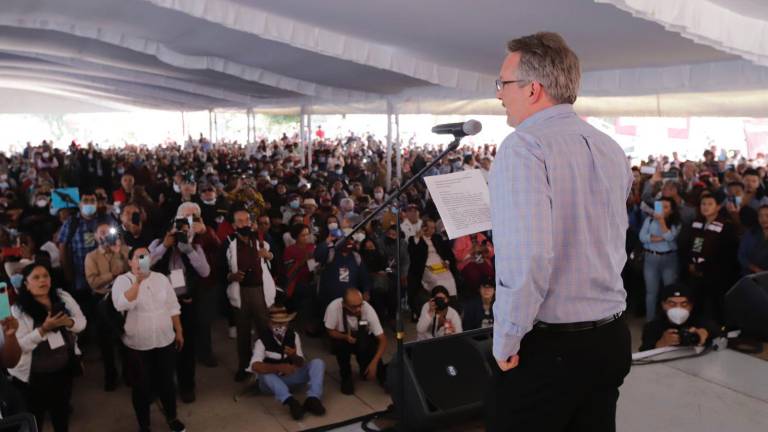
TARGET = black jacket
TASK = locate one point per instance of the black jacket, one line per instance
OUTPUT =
(419, 252)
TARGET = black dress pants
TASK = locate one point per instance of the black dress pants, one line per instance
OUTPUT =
(48, 393)
(185, 359)
(363, 350)
(564, 382)
(150, 374)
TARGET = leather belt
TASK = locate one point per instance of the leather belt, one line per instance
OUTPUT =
(577, 326)
(659, 253)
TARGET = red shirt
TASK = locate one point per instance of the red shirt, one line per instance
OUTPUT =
(295, 258)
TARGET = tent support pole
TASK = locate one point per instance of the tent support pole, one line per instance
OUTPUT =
(183, 127)
(302, 125)
(399, 150)
(306, 155)
(389, 144)
(210, 124)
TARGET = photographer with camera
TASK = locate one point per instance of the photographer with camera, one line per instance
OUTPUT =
(678, 325)
(102, 266)
(132, 228)
(437, 318)
(183, 261)
(355, 328)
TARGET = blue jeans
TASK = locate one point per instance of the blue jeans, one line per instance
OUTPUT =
(280, 386)
(657, 270)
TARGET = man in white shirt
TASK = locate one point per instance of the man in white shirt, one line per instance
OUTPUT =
(152, 332)
(412, 224)
(355, 328)
(280, 363)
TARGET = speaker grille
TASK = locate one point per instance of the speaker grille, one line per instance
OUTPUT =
(451, 372)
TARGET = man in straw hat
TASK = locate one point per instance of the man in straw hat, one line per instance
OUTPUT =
(279, 361)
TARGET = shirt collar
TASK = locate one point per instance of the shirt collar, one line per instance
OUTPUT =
(546, 114)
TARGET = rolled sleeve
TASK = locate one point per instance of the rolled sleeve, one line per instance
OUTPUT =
(74, 312)
(671, 235)
(521, 214)
(122, 284)
(156, 250)
(199, 261)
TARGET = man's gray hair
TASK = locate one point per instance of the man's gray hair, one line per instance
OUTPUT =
(546, 58)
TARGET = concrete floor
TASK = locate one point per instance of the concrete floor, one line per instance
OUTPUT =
(670, 397)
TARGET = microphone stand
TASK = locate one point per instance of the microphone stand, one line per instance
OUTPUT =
(399, 327)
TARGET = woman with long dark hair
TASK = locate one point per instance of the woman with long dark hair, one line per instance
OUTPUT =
(659, 237)
(48, 319)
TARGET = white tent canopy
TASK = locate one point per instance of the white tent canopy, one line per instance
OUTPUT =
(345, 56)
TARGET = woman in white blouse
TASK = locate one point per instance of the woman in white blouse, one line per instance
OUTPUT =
(437, 318)
(48, 320)
(152, 336)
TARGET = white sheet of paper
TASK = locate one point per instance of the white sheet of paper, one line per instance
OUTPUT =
(55, 340)
(177, 278)
(312, 264)
(463, 201)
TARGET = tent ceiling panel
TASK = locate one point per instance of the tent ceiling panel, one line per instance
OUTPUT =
(436, 54)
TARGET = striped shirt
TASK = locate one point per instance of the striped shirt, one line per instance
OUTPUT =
(558, 205)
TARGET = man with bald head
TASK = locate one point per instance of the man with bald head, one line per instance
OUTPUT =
(355, 328)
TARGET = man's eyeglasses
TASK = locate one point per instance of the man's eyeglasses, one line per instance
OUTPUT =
(500, 84)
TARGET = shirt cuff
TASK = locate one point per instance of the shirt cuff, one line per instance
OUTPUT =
(506, 340)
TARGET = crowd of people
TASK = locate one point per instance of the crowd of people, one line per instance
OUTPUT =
(136, 252)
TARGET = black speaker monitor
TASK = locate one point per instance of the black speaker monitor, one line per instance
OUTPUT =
(446, 379)
(746, 305)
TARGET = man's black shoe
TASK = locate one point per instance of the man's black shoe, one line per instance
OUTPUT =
(314, 406)
(347, 387)
(241, 376)
(297, 411)
(187, 396)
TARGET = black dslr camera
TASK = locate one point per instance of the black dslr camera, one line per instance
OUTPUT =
(181, 236)
(440, 304)
(688, 338)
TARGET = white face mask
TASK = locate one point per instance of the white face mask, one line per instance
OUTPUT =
(209, 202)
(176, 188)
(41, 203)
(378, 195)
(678, 315)
(332, 226)
(358, 237)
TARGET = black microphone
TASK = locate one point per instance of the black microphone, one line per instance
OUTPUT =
(458, 130)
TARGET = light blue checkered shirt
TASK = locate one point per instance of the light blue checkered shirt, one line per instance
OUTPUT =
(558, 203)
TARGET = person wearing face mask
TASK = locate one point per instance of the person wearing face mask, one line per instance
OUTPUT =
(678, 323)
(292, 208)
(342, 268)
(77, 237)
(251, 288)
(102, 266)
(213, 208)
(153, 334)
(279, 361)
(355, 329)
(183, 261)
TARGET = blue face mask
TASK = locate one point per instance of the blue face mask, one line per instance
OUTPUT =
(16, 280)
(88, 209)
(294, 204)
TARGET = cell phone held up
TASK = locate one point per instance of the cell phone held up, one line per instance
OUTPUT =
(5, 303)
(181, 236)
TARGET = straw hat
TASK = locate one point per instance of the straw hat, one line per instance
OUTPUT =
(279, 314)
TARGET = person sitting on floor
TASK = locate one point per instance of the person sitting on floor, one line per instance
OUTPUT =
(279, 361)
